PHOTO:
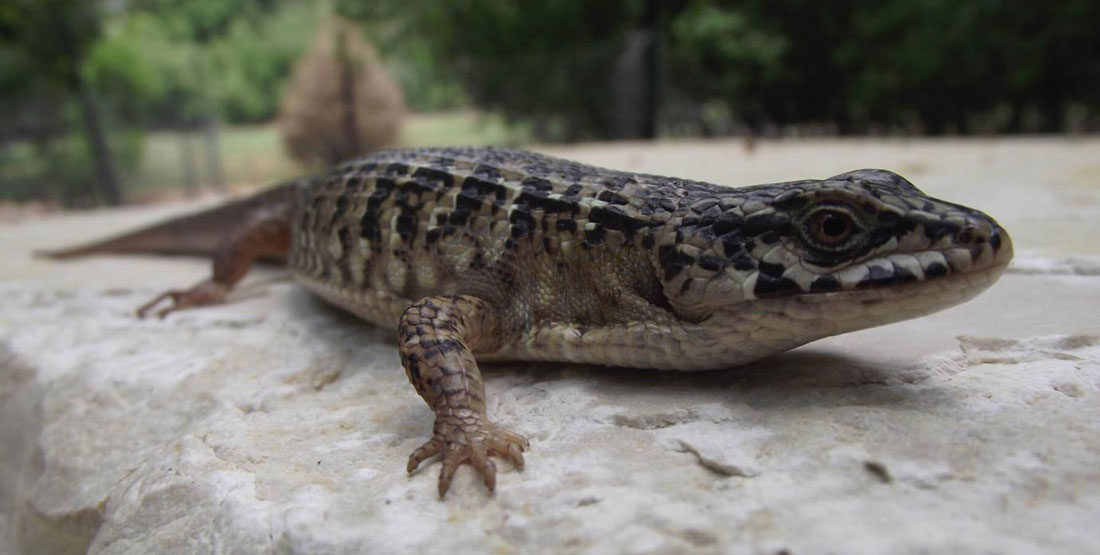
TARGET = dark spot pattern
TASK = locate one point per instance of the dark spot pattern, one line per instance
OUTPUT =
(937, 229)
(434, 176)
(566, 225)
(825, 283)
(771, 270)
(877, 276)
(431, 201)
(935, 269)
(673, 261)
(768, 286)
(397, 169)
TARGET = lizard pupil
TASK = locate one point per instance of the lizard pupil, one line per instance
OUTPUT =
(832, 227)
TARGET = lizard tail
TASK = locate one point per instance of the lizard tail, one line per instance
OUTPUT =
(197, 234)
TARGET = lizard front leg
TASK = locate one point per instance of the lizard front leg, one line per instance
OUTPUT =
(437, 337)
(264, 232)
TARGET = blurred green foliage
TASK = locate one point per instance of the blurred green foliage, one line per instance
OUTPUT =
(171, 66)
(44, 47)
(913, 66)
(59, 168)
(147, 64)
(563, 68)
(543, 61)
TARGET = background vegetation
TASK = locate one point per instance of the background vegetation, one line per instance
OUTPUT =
(102, 100)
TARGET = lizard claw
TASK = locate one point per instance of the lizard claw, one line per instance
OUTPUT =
(206, 292)
(469, 441)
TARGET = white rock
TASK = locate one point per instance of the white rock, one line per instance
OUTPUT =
(277, 424)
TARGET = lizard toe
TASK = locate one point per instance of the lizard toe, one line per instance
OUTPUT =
(474, 446)
(423, 453)
(206, 292)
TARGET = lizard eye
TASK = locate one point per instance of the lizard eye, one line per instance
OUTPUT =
(830, 228)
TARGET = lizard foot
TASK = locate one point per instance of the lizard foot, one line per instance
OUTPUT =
(469, 440)
(206, 292)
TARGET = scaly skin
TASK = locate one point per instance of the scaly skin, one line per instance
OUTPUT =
(498, 254)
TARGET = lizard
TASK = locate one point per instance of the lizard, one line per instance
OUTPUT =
(490, 254)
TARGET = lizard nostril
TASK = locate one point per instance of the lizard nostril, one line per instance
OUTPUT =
(969, 235)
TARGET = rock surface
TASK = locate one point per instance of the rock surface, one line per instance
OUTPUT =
(278, 424)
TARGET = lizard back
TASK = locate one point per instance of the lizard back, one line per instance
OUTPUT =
(594, 265)
(543, 238)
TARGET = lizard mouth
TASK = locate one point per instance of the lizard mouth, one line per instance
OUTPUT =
(906, 260)
(885, 289)
(972, 258)
(902, 286)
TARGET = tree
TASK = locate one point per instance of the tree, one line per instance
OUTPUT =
(53, 37)
(203, 22)
(548, 62)
(932, 66)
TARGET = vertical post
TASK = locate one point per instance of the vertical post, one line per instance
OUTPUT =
(649, 101)
(187, 162)
(351, 146)
(209, 122)
(213, 149)
(97, 141)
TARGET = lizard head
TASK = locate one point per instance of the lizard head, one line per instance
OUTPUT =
(823, 257)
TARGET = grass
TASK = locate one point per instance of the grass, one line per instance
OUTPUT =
(249, 155)
(254, 155)
(462, 128)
